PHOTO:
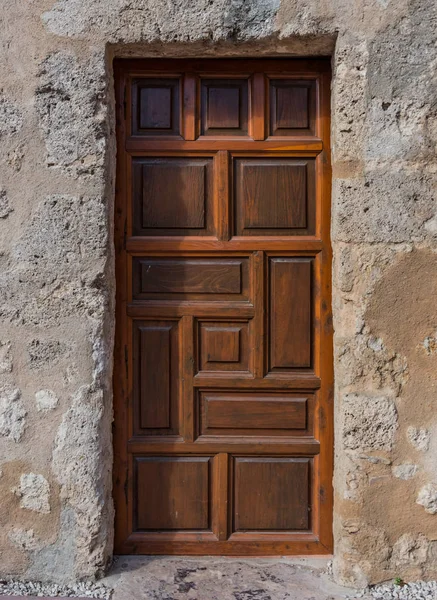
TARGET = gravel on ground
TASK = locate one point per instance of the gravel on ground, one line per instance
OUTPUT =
(38, 589)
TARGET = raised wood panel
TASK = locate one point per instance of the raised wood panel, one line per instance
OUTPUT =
(262, 414)
(155, 107)
(155, 377)
(172, 493)
(190, 278)
(224, 107)
(172, 196)
(223, 346)
(292, 107)
(290, 309)
(156, 366)
(271, 494)
(274, 196)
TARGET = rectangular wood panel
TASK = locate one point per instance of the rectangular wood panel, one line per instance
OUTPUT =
(271, 494)
(195, 278)
(292, 107)
(156, 370)
(224, 109)
(255, 412)
(155, 377)
(155, 107)
(172, 493)
(290, 313)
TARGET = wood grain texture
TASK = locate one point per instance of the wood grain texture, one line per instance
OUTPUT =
(190, 276)
(271, 494)
(251, 413)
(274, 196)
(290, 313)
(292, 107)
(223, 346)
(156, 379)
(223, 388)
(224, 107)
(155, 107)
(173, 196)
(172, 493)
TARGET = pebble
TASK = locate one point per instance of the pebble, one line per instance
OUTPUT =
(36, 588)
(417, 590)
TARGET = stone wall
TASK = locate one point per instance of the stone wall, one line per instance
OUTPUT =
(57, 281)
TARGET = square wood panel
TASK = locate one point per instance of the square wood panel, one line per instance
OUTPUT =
(172, 493)
(156, 107)
(271, 494)
(274, 197)
(172, 196)
(292, 107)
(224, 107)
(223, 346)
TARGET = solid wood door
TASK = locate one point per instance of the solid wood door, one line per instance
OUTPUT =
(223, 380)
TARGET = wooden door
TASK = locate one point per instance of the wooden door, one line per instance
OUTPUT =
(223, 394)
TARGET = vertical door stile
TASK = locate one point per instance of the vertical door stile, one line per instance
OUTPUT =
(189, 107)
(259, 324)
(186, 377)
(221, 493)
(258, 108)
(221, 195)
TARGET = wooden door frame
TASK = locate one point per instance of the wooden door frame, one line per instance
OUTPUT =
(320, 541)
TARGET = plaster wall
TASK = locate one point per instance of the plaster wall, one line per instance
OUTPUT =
(57, 168)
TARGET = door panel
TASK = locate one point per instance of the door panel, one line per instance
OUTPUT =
(281, 489)
(223, 359)
(290, 313)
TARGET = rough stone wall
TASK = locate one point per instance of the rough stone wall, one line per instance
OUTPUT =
(57, 282)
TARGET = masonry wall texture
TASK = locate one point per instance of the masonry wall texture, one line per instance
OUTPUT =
(57, 285)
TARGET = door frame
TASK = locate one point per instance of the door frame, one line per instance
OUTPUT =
(320, 541)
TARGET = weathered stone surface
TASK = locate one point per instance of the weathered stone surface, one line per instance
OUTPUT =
(427, 497)
(5, 357)
(369, 422)
(144, 20)
(34, 493)
(46, 400)
(80, 447)
(44, 353)
(5, 205)
(419, 438)
(12, 414)
(11, 117)
(55, 269)
(71, 93)
(410, 550)
(24, 539)
(405, 472)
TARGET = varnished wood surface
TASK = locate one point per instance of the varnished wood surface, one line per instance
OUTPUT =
(223, 434)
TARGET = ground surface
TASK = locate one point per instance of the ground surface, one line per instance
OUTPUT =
(208, 578)
(222, 579)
